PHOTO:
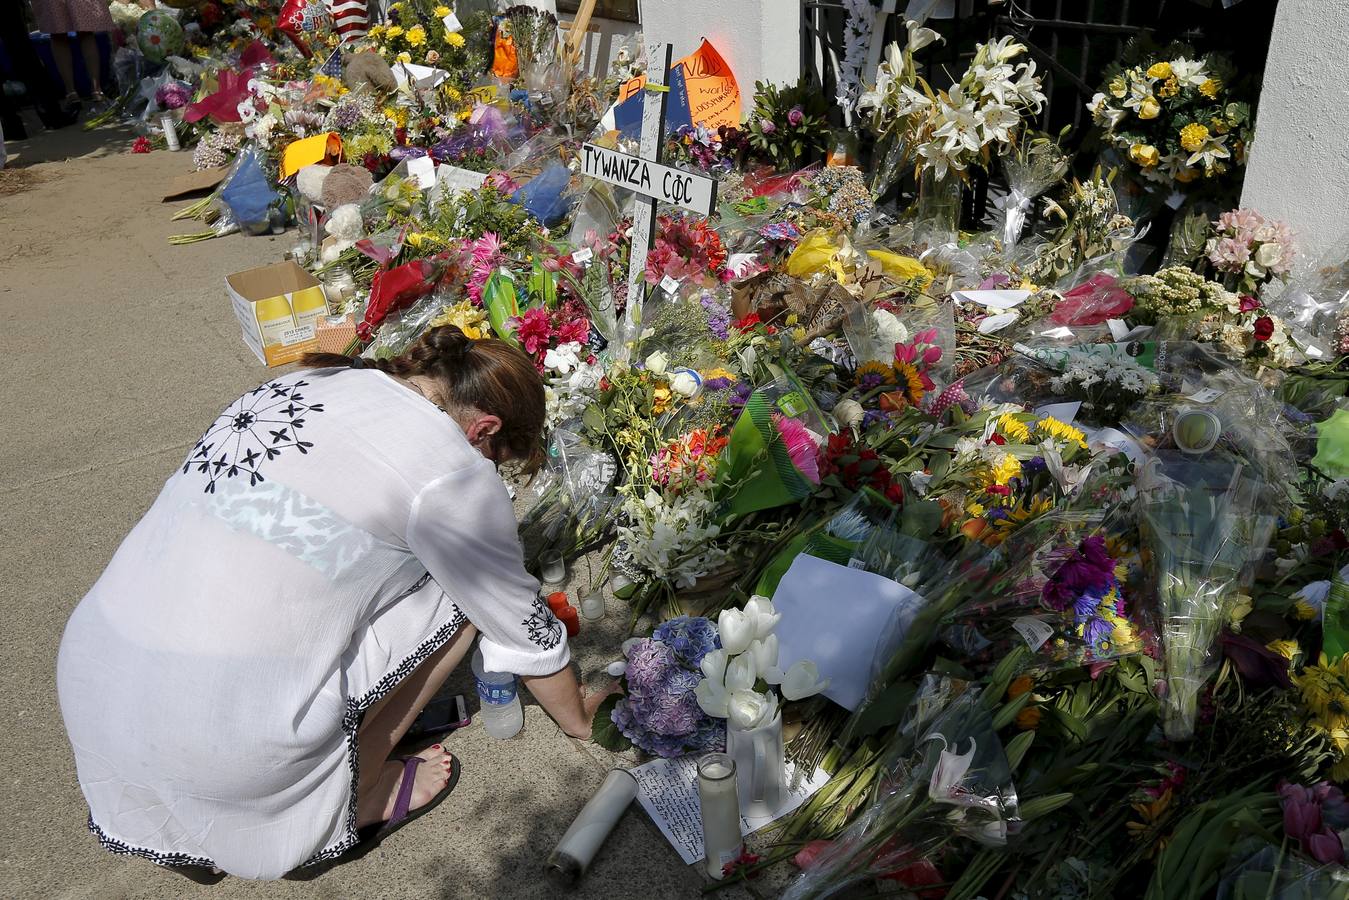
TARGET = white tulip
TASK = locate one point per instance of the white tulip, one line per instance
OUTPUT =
(748, 710)
(741, 673)
(657, 363)
(685, 383)
(802, 680)
(765, 653)
(713, 666)
(761, 612)
(736, 630)
(712, 698)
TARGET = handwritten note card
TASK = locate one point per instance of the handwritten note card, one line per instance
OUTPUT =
(668, 791)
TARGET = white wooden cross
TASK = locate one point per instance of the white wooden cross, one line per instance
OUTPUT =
(652, 182)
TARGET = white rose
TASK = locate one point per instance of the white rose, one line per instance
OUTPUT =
(849, 413)
(1268, 255)
(748, 710)
(657, 363)
(685, 383)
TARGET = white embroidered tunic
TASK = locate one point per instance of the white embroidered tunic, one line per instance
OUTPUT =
(329, 531)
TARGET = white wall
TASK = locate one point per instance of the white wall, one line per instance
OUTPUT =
(1298, 169)
(760, 39)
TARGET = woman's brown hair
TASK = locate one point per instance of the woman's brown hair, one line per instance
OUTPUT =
(489, 375)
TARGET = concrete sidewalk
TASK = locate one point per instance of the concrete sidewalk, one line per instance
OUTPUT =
(116, 350)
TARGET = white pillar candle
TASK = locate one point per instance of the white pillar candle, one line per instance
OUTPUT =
(720, 811)
(574, 853)
(170, 127)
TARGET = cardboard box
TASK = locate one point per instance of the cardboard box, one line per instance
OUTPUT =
(278, 307)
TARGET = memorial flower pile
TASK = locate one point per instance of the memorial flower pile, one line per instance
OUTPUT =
(1104, 501)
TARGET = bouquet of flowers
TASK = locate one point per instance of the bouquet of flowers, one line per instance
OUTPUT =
(1249, 251)
(787, 126)
(773, 455)
(1202, 528)
(659, 712)
(1174, 118)
(1107, 385)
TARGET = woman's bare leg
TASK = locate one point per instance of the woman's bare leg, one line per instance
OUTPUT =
(65, 62)
(388, 720)
(89, 50)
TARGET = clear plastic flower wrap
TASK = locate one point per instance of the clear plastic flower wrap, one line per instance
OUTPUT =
(949, 780)
(1265, 871)
(872, 331)
(1315, 306)
(1069, 599)
(1205, 519)
(575, 499)
(1034, 167)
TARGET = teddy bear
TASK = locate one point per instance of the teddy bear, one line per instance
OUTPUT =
(345, 228)
(369, 68)
(333, 186)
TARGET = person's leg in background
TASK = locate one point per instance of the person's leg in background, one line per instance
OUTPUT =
(27, 67)
(92, 65)
(64, 55)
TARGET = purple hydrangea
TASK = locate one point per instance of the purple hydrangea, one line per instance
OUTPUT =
(660, 713)
(690, 637)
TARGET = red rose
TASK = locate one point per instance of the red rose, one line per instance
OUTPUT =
(1264, 328)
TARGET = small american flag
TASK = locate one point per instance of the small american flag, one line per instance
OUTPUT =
(333, 67)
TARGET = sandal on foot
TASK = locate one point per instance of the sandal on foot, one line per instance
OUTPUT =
(373, 835)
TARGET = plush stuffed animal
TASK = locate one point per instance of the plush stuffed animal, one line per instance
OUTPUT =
(334, 186)
(345, 228)
(369, 68)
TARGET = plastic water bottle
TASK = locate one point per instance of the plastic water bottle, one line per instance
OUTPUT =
(498, 701)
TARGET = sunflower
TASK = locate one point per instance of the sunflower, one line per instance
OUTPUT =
(875, 374)
(910, 383)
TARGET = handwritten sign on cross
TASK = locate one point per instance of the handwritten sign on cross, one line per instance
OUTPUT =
(644, 175)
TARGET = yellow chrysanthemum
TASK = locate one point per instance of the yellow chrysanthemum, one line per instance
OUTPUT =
(1061, 431)
(1159, 70)
(393, 31)
(792, 319)
(454, 39)
(404, 57)
(1193, 136)
(1286, 649)
(376, 32)
(416, 35)
(1169, 88)
(1304, 611)
(974, 510)
(1210, 88)
(1013, 429)
(441, 11)
(1325, 692)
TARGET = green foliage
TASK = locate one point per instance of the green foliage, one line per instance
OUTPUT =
(772, 132)
(604, 732)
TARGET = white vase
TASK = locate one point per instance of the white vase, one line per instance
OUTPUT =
(761, 771)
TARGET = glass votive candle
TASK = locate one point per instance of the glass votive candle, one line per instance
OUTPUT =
(552, 567)
(592, 606)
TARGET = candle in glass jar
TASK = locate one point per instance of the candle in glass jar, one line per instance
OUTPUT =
(592, 606)
(720, 812)
(554, 569)
(574, 853)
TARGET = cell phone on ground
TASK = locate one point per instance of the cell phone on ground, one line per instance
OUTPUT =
(442, 714)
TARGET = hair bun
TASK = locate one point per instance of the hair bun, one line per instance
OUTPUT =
(449, 343)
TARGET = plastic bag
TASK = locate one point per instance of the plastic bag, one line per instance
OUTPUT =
(1315, 306)
(1036, 166)
(249, 195)
(953, 777)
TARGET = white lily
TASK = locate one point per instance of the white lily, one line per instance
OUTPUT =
(802, 680)
(748, 710)
(736, 630)
(761, 612)
(765, 653)
(712, 698)
(920, 37)
(947, 776)
(741, 673)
